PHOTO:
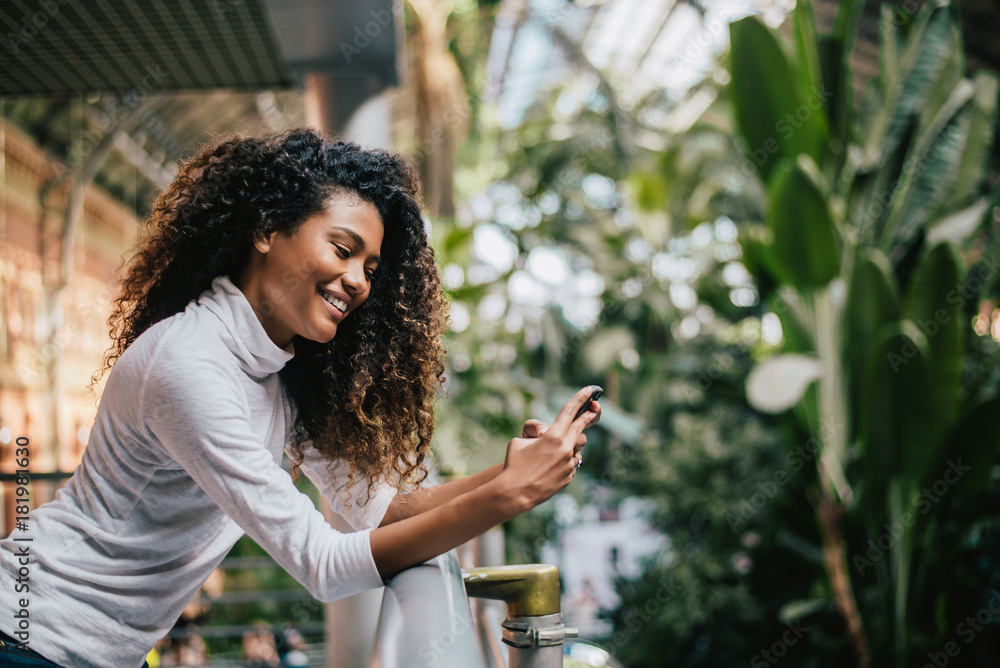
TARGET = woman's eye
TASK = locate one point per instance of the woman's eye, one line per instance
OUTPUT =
(344, 253)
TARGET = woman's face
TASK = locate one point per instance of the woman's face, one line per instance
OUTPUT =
(308, 281)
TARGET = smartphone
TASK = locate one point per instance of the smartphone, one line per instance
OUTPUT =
(594, 396)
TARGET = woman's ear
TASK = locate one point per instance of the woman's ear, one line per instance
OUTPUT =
(261, 241)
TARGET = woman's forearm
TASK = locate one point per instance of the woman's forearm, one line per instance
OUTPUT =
(422, 536)
(422, 500)
(535, 468)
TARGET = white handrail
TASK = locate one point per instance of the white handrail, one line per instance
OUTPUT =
(426, 620)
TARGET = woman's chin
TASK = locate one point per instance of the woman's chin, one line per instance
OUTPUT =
(332, 334)
(326, 338)
(320, 334)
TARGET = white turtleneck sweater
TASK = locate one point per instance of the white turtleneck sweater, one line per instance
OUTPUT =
(183, 459)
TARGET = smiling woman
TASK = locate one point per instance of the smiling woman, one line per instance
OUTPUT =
(288, 219)
(284, 300)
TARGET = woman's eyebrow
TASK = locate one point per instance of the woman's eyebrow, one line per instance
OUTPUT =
(356, 238)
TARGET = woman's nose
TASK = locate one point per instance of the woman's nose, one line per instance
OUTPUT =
(354, 278)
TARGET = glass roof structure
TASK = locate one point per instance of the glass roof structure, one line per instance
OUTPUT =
(647, 51)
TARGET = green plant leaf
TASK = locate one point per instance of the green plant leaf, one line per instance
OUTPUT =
(754, 239)
(836, 86)
(845, 24)
(755, 242)
(928, 49)
(872, 302)
(929, 171)
(958, 227)
(973, 443)
(890, 47)
(776, 118)
(951, 72)
(934, 304)
(805, 250)
(836, 76)
(787, 305)
(807, 58)
(980, 137)
(870, 196)
(905, 88)
(894, 420)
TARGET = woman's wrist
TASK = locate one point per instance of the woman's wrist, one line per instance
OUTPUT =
(420, 537)
(510, 495)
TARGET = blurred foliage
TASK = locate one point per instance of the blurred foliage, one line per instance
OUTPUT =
(577, 259)
(868, 219)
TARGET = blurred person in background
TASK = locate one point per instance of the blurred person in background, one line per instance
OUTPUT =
(259, 649)
(291, 647)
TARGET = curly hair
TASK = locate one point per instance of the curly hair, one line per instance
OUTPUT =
(366, 396)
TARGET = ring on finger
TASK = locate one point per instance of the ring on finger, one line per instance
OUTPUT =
(579, 462)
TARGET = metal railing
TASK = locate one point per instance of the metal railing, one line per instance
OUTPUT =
(426, 620)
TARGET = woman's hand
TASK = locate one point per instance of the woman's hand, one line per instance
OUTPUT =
(538, 465)
(534, 428)
(544, 460)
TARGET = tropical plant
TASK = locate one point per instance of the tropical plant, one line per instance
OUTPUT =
(696, 455)
(872, 255)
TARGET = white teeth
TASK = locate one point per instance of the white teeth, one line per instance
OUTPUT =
(337, 303)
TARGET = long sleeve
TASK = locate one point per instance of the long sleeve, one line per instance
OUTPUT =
(204, 426)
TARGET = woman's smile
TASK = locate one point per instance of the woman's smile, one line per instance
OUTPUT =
(336, 304)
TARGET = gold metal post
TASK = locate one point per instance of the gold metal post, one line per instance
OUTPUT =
(529, 590)
(533, 629)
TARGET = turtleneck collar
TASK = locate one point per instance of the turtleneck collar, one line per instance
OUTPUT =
(258, 355)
